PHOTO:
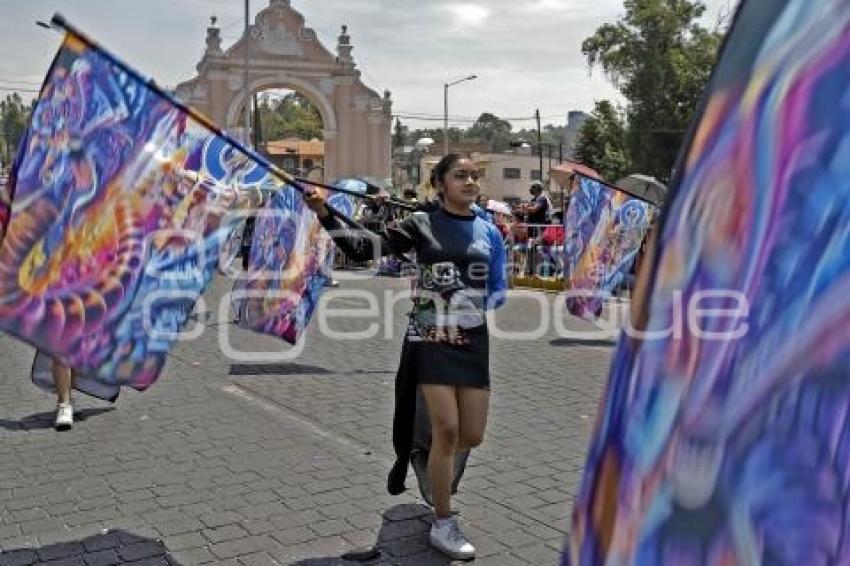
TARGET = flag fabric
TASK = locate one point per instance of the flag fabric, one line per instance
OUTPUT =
(122, 201)
(290, 265)
(5, 206)
(724, 438)
(603, 230)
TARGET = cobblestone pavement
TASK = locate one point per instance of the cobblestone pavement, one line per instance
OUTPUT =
(284, 461)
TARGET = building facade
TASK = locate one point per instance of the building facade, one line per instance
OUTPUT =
(279, 52)
(504, 176)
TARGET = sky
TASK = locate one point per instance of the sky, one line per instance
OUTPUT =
(527, 54)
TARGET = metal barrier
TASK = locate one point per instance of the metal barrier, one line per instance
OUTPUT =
(535, 255)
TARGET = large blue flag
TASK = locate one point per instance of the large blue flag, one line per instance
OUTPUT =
(290, 265)
(724, 437)
(122, 199)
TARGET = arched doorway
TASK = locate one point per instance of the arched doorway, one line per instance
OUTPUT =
(281, 53)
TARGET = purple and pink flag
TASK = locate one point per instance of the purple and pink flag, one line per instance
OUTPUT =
(115, 215)
(724, 435)
(603, 231)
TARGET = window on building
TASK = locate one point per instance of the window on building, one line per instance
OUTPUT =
(535, 175)
(511, 173)
(290, 164)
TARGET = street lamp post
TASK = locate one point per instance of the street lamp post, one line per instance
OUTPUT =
(446, 110)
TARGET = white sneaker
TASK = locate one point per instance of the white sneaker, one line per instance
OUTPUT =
(449, 540)
(64, 416)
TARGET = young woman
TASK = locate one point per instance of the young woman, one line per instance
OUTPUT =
(461, 273)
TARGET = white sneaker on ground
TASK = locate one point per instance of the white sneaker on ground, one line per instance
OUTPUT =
(64, 416)
(448, 539)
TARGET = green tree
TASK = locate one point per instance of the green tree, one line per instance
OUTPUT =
(550, 135)
(399, 134)
(660, 58)
(292, 116)
(493, 130)
(602, 142)
(14, 115)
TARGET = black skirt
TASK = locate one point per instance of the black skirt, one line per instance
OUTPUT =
(465, 365)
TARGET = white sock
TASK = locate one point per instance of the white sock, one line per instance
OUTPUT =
(443, 522)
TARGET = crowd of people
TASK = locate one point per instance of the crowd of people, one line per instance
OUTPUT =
(532, 230)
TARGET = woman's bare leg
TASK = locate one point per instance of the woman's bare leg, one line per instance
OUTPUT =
(473, 405)
(443, 411)
(63, 379)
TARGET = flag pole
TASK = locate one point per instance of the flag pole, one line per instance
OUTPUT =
(59, 21)
(612, 187)
(397, 204)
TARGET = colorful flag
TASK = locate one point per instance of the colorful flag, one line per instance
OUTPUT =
(724, 435)
(603, 231)
(291, 261)
(122, 201)
(5, 205)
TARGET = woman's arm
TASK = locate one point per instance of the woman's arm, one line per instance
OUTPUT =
(360, 245)
(497, 281)
(363, 245)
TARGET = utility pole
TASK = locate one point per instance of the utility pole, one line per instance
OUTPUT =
(247, 98)
(539, 142)
(446, 110)
(445, 119)
(258, 133)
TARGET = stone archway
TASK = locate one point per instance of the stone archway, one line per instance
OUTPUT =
(282, 53)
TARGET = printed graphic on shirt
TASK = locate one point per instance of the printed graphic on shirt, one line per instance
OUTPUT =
(444, 307)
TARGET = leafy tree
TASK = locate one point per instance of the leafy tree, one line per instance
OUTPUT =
(292, 116)
(493, 130)
(602, 142)
(399, 134)
(14, 115)
(550, 135)
(660, 58)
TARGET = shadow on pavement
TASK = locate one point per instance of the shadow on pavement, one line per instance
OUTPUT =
(296, 369)
(567, 342)
(277, 369)
(39, 421)
(403, 539)
(112, 547)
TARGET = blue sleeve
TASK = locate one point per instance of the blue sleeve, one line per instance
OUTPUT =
(481, 213)
(497, 282)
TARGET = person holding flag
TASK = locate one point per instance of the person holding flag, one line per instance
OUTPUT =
(446, 350)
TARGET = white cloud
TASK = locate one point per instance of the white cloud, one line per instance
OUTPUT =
(547, 6)
(464, 15)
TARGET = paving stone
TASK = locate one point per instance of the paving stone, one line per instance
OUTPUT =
(275, 462)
